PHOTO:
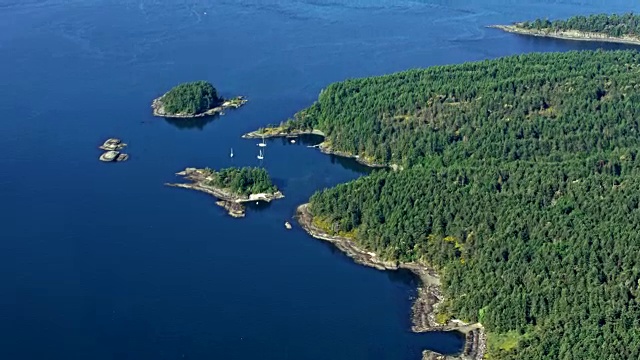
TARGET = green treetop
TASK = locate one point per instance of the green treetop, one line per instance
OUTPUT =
(191, 98)
(244, 181)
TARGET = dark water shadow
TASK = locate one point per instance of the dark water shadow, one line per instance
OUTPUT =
(556, 44)
(258, 206)
(191, 123)
(352, 164)
(302, 140)
(281, 183)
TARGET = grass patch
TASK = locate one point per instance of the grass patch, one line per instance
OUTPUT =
(498, 344)
(271, 130)
(322, 224)
(325, 225)
(443, 317)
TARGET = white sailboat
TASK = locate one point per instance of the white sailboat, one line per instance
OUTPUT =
(262, 144)
(260, 155)
(231, 155)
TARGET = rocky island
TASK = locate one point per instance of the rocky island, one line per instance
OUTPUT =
(112, 147)
(601, 27)
(192, 100)
(232, 186)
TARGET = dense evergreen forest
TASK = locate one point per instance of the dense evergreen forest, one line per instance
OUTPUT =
(612, 25)
(191, 98)
(245, 181)
(521, 183)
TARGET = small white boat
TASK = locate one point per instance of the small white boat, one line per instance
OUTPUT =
(293, 141)
(260, 155)
(262, 144)
(231, 155)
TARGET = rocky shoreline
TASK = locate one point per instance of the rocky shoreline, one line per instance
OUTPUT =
(158, 108)
(568, 34)
(429, 292)
(231, 202)
(276, 132)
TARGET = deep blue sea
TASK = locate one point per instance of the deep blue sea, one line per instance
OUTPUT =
(102, 261)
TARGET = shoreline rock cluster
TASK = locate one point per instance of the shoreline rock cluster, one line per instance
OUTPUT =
(231, 202)
(234, 103)
(567, 34)
(429, 293)
(112, 152)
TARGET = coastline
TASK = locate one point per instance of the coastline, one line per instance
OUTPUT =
(429, 292)
(277, 132)
(568, 35)
(324, 147)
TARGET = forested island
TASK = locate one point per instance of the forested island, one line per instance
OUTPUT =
(600, 27)
(521, 187)
(193, 99)
(233, 186)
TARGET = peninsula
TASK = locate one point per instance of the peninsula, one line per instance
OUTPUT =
(191, 100)
(520, 189)
(232, 186)
(602, 27)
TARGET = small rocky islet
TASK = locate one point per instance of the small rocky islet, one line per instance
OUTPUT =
(112, 147)
(192, 100)
(231, 186)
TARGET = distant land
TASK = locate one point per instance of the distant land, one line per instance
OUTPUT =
(602, 27)
(193, 99)
(518, 182)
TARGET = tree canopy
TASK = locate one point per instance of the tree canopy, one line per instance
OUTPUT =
(609, 24)
(521, 184)
(190, 98)
(244, 181)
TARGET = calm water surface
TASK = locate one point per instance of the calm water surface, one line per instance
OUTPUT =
(101, 261)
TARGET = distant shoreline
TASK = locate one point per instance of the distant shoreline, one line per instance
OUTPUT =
(429, 292)
(568, 35)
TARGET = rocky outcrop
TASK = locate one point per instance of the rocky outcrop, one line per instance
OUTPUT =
(112, 149)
